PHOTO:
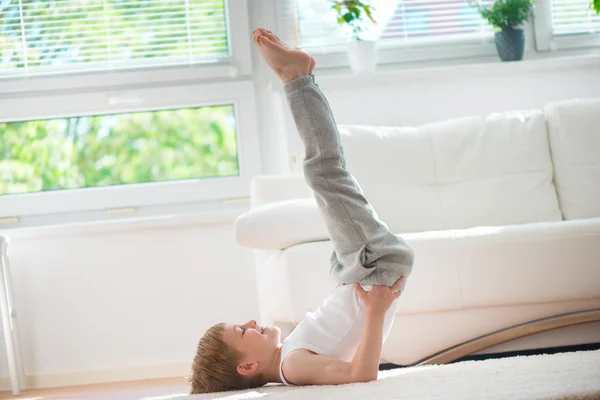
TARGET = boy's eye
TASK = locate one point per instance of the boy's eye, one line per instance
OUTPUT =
(243, 331)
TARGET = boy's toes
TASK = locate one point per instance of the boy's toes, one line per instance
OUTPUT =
(263, 31)
(276, 39)
(268, 43)
(267, 33)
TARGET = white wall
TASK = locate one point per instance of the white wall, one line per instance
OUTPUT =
(432, 98)
(130, 304)
(126, 304)
(412, 97)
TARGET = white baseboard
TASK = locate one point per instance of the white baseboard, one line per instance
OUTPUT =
(102, 376)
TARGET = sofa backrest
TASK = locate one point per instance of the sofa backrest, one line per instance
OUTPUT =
(493, 170)
(574, 133)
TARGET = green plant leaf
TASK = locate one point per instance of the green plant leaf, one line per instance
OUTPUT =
(505, 14)
(351, 12)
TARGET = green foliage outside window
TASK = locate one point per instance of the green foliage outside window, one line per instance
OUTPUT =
(117, 149)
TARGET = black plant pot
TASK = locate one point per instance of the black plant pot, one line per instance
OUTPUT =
(510, 44)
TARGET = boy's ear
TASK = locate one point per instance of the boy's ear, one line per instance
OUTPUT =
(247, 368)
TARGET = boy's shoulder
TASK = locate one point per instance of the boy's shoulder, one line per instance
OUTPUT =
(295, 362)
(297, 356)
(303, 367)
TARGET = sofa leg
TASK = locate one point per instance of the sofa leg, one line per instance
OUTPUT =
(505, 335)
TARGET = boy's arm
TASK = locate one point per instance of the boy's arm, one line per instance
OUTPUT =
(303, 368)
(365, 363)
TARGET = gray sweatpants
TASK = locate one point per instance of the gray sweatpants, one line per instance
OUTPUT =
(365, 250)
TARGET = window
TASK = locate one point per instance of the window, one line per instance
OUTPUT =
(190, 143)
(154, 40)
(120, 107)
(562, 24)
(118, 149)
(69, 35)
(401, 24)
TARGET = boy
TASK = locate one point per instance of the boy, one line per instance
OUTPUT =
(341, 341)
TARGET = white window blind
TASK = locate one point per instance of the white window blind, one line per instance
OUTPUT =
(313, 23)
(574, 17)
(566, 24)
(55, 36)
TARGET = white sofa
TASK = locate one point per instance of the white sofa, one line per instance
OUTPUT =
(502, 211)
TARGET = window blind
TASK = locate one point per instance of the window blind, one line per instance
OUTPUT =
(53, 36)
(573, 17)
(313, 23)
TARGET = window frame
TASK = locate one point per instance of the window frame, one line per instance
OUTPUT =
(395, 52)
(546, 41)
(237, 65)
(240, 94)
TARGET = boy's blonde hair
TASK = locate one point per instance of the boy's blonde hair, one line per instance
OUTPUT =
(215, 366)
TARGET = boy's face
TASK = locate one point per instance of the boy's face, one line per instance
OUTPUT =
(256, 343)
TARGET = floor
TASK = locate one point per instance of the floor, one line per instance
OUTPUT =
(546, 376)
(155, 388)
(114, 391)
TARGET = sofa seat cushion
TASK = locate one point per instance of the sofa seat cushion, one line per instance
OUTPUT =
(493, 170)
(574, 131)
(465, 269)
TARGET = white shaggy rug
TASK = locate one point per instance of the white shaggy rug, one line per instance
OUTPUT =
(564, 376)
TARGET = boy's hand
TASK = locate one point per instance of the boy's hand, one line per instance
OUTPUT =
(380, 298)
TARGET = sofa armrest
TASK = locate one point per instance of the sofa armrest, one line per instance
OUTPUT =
(280, 225)
(271, 188)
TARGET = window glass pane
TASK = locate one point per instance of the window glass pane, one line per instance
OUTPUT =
(398, 20)
(574, 17)
(41, 36)
(117, 149)
(11, 44)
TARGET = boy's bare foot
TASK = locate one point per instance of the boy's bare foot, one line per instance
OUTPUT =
(286, 63)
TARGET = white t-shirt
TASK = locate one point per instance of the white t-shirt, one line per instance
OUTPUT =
(334, 329)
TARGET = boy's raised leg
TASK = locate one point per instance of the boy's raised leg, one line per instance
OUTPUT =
(365, 250)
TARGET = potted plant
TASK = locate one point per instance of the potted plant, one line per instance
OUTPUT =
(595, 4)
(362, 54)
(507, 16)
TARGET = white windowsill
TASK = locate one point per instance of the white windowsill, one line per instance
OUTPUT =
(338, 79)
(173, 216)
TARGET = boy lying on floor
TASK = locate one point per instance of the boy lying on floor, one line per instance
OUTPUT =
(341, 341)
